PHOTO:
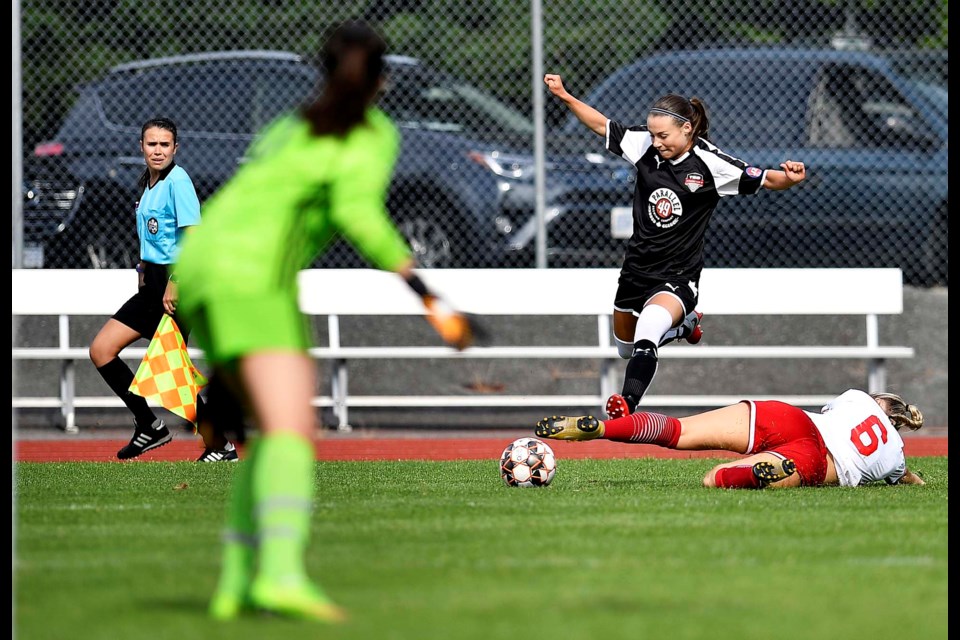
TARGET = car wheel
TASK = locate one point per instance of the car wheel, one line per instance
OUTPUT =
(430, 240)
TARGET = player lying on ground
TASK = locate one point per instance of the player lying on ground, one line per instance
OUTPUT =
(854, 440)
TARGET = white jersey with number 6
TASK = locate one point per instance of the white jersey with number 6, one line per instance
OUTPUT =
(863, 442)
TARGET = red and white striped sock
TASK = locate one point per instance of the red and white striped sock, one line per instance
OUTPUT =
(644, 427)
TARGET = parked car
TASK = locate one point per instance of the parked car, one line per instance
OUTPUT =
(462, 191)
(874, 142)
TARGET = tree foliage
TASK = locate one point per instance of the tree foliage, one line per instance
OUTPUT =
(487, 42)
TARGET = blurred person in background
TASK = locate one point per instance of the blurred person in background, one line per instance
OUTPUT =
(317, 173)
(853, 440)
(168, 209)
(680, 178)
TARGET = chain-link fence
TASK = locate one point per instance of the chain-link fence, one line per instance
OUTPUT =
(855, 89)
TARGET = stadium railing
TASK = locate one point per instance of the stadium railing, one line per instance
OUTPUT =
(340, 294)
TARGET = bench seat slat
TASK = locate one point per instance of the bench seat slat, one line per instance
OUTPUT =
(394, 352)
(486, 400)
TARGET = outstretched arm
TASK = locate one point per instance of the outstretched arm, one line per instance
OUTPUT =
(595, 121)
(793, 173)
(454, 328)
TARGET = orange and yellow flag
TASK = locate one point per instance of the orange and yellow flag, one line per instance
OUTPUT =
(166, 373)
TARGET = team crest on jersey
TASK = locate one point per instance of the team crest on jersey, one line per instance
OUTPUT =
(664, 208)
(153, 225)
(693, 181)
(753, 172)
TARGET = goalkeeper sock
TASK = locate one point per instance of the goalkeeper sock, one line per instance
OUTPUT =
(240, 535)
(283, 479)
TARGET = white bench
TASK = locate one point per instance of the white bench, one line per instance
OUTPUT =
(338, 294)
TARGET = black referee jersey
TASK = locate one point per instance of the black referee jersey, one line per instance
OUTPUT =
(674, 199)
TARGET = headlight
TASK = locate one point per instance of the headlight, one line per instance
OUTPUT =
(507, 166)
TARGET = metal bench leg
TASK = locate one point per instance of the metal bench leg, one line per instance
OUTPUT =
(68, 388)
(876, 369)
(609, 369)
(339, 393)
(877, 376)
(338, 377)
(67, 395)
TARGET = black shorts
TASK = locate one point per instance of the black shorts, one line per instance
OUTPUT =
(144, 310)
(634, 291)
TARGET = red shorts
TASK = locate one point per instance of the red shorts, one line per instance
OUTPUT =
(787, 431)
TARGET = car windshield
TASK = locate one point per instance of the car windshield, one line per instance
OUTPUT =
(921, 67)
(934, 95)
(442, 104)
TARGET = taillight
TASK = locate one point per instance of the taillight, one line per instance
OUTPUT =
(47, 149)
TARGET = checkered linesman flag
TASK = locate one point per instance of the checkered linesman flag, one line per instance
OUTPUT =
(166, 373)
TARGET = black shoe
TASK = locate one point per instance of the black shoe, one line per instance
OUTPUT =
(229, 453)
(156, 435)
(569, 428)
(689, 330)
(768, 472)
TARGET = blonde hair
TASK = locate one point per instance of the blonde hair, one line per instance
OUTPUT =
(900, 413)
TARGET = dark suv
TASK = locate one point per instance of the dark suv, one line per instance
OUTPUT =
(462, 191)
(872, 133)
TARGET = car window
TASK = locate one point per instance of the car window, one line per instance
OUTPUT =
(207, 97)
(276, 90)
(436, 102)
(856, 107)
(745, 102)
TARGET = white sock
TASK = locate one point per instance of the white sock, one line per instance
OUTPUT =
(654, 321)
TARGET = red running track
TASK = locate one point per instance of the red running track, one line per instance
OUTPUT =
(65, 450)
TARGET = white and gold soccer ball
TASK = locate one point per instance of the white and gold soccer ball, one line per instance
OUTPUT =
(527, 462)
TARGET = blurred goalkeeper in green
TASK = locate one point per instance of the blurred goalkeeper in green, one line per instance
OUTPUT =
(315, 174)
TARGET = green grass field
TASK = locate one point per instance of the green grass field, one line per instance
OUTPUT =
(612, 549)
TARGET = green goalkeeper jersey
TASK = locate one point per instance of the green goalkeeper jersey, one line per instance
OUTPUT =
(285, 205)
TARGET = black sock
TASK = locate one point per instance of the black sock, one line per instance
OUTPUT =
(224, 411)
(118, 376)
(641, 369)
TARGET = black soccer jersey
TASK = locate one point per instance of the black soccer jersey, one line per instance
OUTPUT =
(674, 199)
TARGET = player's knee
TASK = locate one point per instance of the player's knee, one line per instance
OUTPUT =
(624, 349)
(99, 353)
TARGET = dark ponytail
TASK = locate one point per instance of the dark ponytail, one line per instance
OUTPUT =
(353, 65)
(693, 111)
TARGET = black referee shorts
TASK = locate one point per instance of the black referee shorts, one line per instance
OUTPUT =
(144, 310)
(634, 291)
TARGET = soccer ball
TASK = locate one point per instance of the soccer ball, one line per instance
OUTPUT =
(527, 462)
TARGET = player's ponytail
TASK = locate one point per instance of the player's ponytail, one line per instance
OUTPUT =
(682, 110)
(900, 413)
(353, 66)
(700, 120)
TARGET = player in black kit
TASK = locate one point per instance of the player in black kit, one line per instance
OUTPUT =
(680, 178)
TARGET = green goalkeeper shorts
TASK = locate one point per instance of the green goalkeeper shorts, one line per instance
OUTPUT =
(229, 326)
